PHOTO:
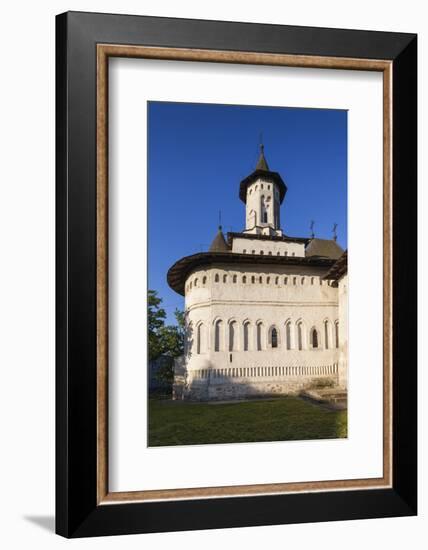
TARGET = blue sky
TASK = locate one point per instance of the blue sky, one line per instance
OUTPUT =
(198, 154)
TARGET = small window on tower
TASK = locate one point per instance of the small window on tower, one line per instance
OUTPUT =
(261, 252)
(253, 252)
(234, 279)
(216, 278)
(265, 217)
(244, 251)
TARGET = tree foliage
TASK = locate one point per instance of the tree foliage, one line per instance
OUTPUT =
(156, 320)
(164, 340)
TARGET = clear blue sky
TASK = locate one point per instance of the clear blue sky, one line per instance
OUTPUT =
(198, 154)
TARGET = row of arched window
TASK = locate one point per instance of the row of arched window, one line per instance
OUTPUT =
(269, 252)
(261, 187)
(257, 279)
(232, 336)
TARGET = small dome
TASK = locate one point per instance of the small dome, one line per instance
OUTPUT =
(219, 243)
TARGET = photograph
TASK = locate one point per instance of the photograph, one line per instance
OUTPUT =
(247, 273)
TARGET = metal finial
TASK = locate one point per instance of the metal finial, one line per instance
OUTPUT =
(219, 220)
(312, 229)
(334, 231)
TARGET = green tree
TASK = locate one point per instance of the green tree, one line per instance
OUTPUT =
(172, 345)
(165, 340)
(156, 321)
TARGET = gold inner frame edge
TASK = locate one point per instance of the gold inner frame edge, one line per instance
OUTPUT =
(104, 51)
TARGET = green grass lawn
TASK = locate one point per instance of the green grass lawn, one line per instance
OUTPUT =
(280, 419)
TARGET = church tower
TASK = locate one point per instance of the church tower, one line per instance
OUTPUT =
(262, 192)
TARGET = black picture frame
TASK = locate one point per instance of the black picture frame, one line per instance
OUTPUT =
(77, 511)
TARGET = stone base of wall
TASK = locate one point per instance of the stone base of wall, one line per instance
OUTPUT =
(243, 389)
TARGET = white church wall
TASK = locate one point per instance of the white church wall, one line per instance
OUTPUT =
(229, 355)
(268, 247)
(343, 331)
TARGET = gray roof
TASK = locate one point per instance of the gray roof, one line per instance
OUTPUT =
(219, 243)
(323, 248)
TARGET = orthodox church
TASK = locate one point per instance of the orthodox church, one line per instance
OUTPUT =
(266, 313)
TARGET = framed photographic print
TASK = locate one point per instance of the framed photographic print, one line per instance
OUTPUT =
(236, 274)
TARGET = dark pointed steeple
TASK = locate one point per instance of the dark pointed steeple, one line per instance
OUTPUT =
(262, 171)
(219, 243)
(261, 163)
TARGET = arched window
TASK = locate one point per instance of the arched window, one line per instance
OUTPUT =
(288, 335)
(268, 280)
(244, 251)
(285, 252)
(218, 343)
(303, 281)
(294, 280)
(246, 335)
(326, 339)
(232, 336)
(314, 338)
(216, 278)
(204, 280)
(224, 278)
(200, 339)
(259, 336)
(336, 333)
(196, 282)
(276, 280)
(234, 279)
(260, 280)
(285, 280)
(244, 280)
(312, 280)
(253, 252)
(299, 336)
(274, 337)
(253, 279)
(270, 253)
(265, 219)
(261, 252)
(278, 253)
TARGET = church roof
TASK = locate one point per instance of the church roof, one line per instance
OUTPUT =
(178, 273)
(339, 268)
(219, 243)
(262, 171)
(323, 248)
